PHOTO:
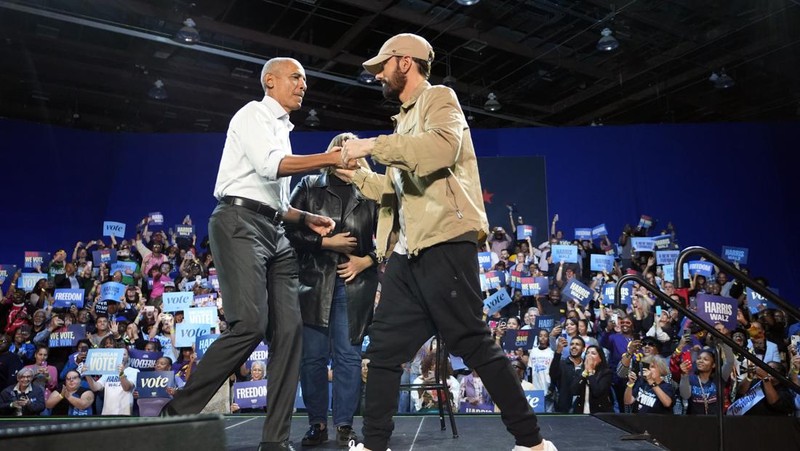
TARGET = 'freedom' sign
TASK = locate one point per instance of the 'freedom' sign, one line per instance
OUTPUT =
(67, 297)
(251, 394)
(143, 360)
(485, 260)
(717, 309)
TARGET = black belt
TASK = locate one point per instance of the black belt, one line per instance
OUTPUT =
(253, 205)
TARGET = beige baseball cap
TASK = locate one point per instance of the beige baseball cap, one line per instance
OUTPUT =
(404, 44)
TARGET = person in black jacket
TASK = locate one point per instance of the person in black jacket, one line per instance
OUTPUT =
(563, 372)
(593, 384)
(338, 281)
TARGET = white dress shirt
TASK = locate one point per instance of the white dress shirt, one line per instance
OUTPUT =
(257, 141)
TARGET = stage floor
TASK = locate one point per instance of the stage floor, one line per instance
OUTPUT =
(479, 433)
(417, 433)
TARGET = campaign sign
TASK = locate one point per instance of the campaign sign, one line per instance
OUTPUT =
(754, 299)
(564, 253)
(524, 231)
(112, 291)
(107, 256)
(101, 361)
(156, 218)
(535, 400)
(202, 344)
(599, 231)
(111, 228)
(259, 354)
(663, 242)
(496, 301)
(485, 260)
(35, 259)
(468, 407)
(701, 267)
(214, 281)
(143, 360)
(577, 291)
(735, 254)
(492, 280)
(123, 267)
(7, 271)
(251, 394)
(645, 244)
(184, 230)
(546, 322)
(205, 300)
(583, 234)
(667, 257)
(602, 262)
(609, 293)
(186, 334)
(516, 279)
(457, 363)
(645, 222)
(484, 282)
(527, 285)
(101, 307)
(67, 297)
(154, 384)
(179, 300)
(201, 315)
(669, 272)
(541, 286)
(67, 337)
(27, 280)
(516, 339)
(717, 309)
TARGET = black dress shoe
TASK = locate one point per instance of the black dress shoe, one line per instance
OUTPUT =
(276, 446)
(315, 436)
(167, 411)
(345, 434)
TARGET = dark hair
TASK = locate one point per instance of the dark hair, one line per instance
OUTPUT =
(603, 364)
(424, 66)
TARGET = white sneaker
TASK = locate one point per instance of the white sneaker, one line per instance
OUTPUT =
(546, 445)
(360, 446)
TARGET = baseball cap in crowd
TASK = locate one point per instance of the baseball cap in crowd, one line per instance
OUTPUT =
(404, 44)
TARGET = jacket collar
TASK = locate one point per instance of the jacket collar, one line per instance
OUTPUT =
(422, 87)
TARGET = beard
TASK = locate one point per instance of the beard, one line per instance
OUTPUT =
(394, 85)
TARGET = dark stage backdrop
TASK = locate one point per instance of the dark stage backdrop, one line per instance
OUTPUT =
(720, 184)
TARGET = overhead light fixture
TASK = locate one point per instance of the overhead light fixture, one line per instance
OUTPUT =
(607, 42)
(188, 34)
(157, 92)
(491, 103)
(366, 77)
(312, 120)
(467, 2)
(449, 80)
(721, 80)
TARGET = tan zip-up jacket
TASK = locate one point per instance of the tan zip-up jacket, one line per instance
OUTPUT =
(432, 149)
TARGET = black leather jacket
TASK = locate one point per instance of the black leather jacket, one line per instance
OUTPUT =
(357, 215)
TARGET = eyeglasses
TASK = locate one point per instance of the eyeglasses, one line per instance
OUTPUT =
(25, 377)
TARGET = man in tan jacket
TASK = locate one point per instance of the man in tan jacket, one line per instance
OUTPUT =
(431, 218)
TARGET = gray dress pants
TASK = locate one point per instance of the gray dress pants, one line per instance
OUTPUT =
(257, 271)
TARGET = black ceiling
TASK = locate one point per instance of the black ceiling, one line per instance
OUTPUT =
(90, 64)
